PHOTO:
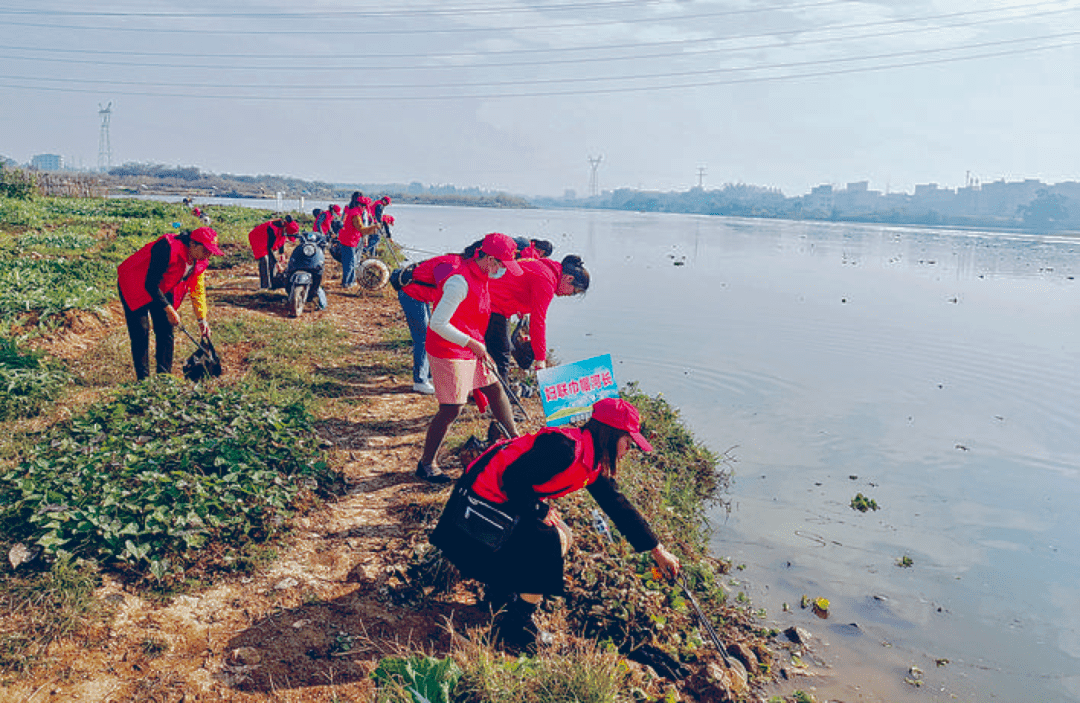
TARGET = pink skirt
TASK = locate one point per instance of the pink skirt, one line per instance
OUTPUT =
(454, 379)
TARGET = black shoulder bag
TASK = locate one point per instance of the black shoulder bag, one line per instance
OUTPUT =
(490, 524)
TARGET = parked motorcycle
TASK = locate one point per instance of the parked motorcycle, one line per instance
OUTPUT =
(304, 273)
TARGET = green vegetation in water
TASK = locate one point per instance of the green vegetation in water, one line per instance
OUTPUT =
(165, 479)
(862, 503)
(905, 562)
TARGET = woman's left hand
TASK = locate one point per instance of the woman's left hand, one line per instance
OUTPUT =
(204, 328)
(668, 562)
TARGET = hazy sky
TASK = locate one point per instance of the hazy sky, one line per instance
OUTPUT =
(518, 95)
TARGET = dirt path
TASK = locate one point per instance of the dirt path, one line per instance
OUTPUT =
(312, 625)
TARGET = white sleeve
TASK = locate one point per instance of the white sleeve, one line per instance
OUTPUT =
(455, 290)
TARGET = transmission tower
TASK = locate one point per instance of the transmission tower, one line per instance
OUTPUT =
(104, 152)
(594, 183)
(700, 175)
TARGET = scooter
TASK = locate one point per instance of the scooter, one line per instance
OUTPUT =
(304, 273)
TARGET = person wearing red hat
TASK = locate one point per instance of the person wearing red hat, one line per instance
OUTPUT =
(153, 282)
(530, 294)
(456, 353)
(520, 477)
(268, 239)
(355, 228)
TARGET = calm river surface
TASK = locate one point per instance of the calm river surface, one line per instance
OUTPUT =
(934, 371)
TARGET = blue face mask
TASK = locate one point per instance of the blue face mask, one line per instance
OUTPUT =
(500, 273)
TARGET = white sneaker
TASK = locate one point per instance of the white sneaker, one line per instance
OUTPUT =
(424, 388)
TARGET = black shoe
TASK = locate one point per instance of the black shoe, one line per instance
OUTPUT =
(518, 631)
(431, 474)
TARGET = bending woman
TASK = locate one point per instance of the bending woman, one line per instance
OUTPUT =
(530, 294)
(458, 358)
(153, 282)
(521, 476)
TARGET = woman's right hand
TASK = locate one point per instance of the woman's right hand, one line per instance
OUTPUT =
(174, 317)
(478, 348)
(667, 562)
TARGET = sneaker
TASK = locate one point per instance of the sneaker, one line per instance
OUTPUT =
(431, 474)
(423, 388)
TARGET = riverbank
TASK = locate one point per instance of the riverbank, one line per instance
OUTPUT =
(346, 587)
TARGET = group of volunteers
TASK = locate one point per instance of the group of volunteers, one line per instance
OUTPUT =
(458, 308)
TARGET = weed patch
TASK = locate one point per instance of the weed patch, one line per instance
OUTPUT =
(164, 477)
(27, 381)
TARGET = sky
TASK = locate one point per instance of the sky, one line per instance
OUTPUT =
(525, 96)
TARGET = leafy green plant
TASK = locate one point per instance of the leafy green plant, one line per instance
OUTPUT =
(416, 679)
(27, 381)
(905, 562)
(165, 478)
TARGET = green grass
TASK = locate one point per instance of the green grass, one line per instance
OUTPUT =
(42, 607)
(27, 381)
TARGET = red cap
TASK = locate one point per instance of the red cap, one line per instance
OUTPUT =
(502, 248)
(336, 208)
(292, 227)
(208, 238)
(621, 415)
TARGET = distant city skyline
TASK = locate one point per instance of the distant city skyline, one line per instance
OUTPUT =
(518, 95)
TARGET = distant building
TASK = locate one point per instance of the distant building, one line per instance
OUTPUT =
(819, 202)
(569, 194)
(47, 162)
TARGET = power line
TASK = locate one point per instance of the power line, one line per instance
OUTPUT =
(668, 75)
(546, 62)
(590, 92)
(633, 45)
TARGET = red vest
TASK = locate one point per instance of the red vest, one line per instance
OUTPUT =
(471, 317)
(427, 275)
(349, 236)
(258, 238)
(132, 273)
(529, 293)
(581, 472)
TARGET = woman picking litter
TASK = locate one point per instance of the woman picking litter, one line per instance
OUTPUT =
(459, 361)
(153, 282)
(518, 478)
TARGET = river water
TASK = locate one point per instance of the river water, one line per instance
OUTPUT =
(933, 371)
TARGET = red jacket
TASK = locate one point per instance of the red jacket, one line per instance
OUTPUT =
(427, 275)
(471, 316)
(132, 274)
(530, 294)
(350, 236)
(259, 238)
(582, 472)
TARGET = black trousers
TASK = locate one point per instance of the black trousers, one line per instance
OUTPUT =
(267, 264)
(138, 326)
(497, 341)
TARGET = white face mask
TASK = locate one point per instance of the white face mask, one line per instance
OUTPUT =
(499, 273)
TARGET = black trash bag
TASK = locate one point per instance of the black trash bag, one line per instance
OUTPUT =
(520, 347)
(204, 362)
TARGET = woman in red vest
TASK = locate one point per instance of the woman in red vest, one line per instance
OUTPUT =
(530, 294)
(456, 353)
(353, 230)
(520, 477)
(268, 239)
(153, 282)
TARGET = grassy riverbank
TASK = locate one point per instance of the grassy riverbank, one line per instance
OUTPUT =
(260, 537)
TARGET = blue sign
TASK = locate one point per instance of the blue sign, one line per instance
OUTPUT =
(569, 390)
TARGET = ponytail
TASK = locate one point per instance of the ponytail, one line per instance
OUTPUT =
(573, 266)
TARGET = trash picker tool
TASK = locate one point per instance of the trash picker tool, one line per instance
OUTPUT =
(506, 387)
(703, 620)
